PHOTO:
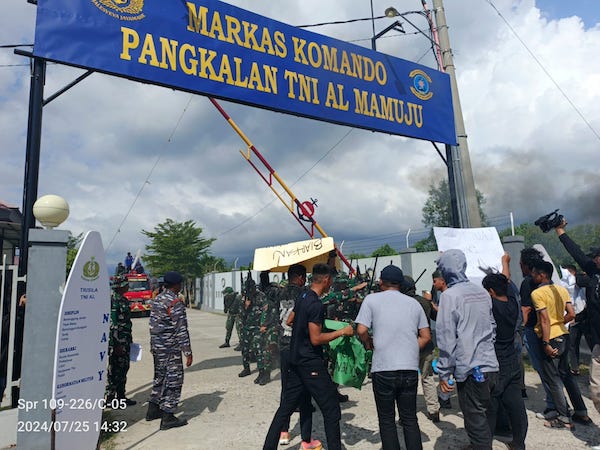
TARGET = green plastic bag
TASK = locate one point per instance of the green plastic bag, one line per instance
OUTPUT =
(350, 356)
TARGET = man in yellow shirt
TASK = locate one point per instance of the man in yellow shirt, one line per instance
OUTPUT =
(551, 302)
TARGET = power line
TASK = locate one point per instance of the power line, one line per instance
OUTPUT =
(389, 36)
(147, 180)
(324, 156)
(539, 63)
(339, 22)
(295, 182)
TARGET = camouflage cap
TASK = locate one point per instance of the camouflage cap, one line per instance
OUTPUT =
(227, 290)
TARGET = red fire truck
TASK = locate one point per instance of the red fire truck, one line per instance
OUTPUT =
(140, 293)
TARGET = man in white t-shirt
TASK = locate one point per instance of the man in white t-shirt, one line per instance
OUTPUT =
(397, 322)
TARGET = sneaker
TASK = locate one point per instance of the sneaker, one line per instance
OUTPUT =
(225, 345)
(314, 444)
(434, 417)
(284, 438)
(445, 404)
(342, 398)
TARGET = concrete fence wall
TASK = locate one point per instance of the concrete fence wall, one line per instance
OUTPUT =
(209, 288)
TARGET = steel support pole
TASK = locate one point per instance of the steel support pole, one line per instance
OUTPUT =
(458, 157)
(452, 188)
(32, 157)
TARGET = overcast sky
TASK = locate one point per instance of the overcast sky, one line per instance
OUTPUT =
(530, 149)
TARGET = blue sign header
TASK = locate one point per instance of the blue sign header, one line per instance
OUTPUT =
(216, 49)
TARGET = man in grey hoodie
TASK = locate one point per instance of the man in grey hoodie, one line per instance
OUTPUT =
(465, 336)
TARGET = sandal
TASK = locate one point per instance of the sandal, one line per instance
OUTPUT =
(557, 423)
(584, 420)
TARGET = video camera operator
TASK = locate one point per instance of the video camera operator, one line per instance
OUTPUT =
(590, 264)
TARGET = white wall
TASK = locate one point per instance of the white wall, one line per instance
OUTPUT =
(209, 288)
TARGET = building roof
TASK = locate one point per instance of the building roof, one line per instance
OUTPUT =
(10, 223)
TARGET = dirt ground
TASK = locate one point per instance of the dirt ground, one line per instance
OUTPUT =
(230, 413)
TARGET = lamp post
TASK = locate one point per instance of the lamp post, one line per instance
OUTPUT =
(395, 26)
(465, 208)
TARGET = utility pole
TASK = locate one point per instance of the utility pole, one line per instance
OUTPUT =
(32, 158)
(458, 156)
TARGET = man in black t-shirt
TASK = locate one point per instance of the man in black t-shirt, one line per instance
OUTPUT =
(533, 343)
(307, 371)
(590, 264)
(507, 390)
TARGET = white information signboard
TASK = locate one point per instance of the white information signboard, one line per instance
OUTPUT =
(481, 246)
(81, 351)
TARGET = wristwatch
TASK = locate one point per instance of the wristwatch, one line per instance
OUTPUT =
(545, 343)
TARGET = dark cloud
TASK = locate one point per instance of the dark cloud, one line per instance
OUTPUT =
(108, 141)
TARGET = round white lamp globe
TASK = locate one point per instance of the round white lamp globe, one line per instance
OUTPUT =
(51, 210)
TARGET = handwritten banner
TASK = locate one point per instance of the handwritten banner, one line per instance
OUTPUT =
(481, 246)
(213, 48)
(280, 257)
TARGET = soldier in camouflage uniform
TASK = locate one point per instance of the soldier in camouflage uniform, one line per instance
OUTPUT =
(169, 337)
(236, 309)
(268, 327)
(345, 297)
(231, 307)
(119, 342)
(254, 301)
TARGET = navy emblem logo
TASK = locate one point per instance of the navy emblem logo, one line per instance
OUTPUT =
(91, 270)
(421, 84)
(121, 9)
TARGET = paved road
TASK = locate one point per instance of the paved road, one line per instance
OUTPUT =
(229, 413)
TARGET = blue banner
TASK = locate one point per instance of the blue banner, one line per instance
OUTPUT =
(216, 49)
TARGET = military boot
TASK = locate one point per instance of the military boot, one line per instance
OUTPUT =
(153, 412)
(259, 378)
(225, 345)
(266, 378)
(170, 421)
(245, 372)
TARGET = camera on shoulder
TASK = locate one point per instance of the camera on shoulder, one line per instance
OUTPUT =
(549, 221)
